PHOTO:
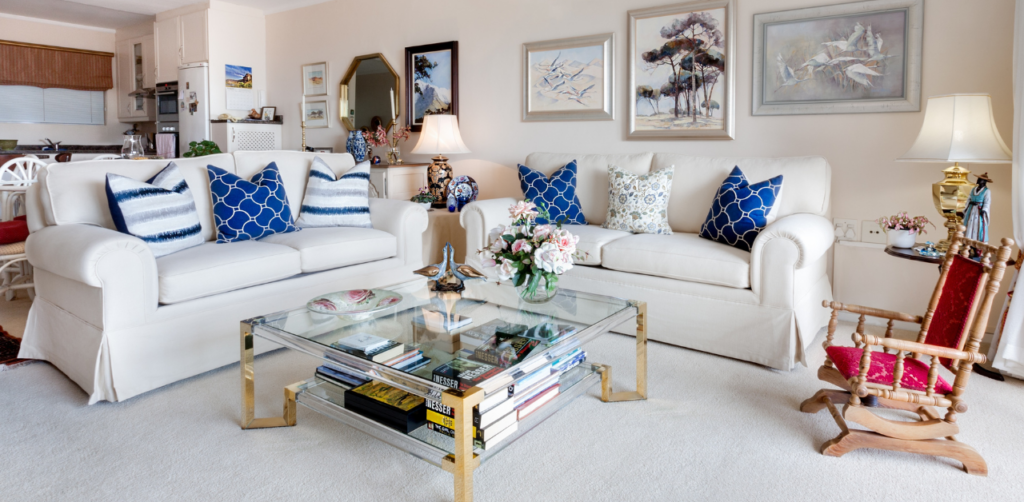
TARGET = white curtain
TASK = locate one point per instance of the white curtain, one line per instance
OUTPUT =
(1007, 352)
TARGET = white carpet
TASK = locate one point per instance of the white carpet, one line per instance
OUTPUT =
(713, 429)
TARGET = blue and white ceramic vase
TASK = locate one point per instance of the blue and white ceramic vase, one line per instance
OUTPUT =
(356, 145)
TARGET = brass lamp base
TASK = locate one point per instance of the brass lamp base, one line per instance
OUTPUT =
(950, 197)
(439, 175)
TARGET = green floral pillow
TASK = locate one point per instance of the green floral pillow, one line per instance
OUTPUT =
(639, 204)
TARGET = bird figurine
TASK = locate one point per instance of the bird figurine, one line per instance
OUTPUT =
(435, 271)
(449, 275)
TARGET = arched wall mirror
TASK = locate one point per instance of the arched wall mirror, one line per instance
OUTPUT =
(366, 93)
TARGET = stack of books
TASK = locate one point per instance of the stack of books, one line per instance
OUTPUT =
(408, 362)
(385, 404)
(370, 347)
(479, 335)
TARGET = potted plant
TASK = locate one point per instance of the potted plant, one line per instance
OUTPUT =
(201, 148)
(901, 230)
(529, 254)
(424, 198)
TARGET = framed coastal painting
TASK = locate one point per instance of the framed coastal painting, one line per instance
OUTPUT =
(681, 60)
(862, 57)
(432, 82)
(318, 114)
(569, 79)
(314, 79)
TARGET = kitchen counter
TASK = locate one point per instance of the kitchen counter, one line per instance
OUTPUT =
(85, 149)
(277, 121)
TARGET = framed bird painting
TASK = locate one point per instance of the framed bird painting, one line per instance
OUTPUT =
(862, 57)
(569, 79)
(681, 60)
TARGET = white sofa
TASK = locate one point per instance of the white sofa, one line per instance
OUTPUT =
(119, 322)
(762, 306)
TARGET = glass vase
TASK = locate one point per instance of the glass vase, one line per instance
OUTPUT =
(538, 294)
(394, 156)
(132, 147)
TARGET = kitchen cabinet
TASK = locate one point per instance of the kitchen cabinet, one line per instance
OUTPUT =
(135, 72)
(180, 40)
(250, 136)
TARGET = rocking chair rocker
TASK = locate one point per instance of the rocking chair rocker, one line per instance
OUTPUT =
(959, 306)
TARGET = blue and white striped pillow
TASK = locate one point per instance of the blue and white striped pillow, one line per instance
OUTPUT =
(160, 211)
(342, 202)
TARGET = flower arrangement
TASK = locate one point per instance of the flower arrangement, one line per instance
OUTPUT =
(527, 253)
(423, 196)
(377, 138)
(903, 221)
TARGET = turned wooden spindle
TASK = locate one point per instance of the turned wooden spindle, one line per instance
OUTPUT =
(897, 370)
(888, 332)
(933, 376)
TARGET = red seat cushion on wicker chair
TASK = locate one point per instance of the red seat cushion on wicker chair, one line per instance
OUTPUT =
(13, 231)
(915, 373)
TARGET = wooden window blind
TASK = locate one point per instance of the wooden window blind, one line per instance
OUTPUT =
(48, 67)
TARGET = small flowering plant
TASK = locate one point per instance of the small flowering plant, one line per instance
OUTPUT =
(423, 196)
(376, 138)
(399, 134)
(525, 251)
(903, 221)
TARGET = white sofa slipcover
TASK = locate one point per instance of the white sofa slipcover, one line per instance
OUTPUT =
(119, 322)
(762, 306)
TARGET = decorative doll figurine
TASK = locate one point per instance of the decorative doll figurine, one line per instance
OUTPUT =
(977, 213)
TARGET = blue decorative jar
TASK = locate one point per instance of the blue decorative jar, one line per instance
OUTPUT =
(356, 145)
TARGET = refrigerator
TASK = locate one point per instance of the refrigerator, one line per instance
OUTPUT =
(193, 104)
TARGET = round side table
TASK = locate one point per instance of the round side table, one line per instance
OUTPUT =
(910, 254)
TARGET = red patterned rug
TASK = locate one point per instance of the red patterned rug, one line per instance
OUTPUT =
(9, 351)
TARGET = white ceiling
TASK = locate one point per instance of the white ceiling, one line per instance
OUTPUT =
(120, 13)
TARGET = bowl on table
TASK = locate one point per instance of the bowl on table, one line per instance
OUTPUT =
(8, 145)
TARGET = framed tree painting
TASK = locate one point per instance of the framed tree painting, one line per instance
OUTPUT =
(862, 57)
(569, 79)
(681, 60)
(432, 82)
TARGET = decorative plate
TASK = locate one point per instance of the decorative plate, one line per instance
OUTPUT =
(461, 191)
(354, 302)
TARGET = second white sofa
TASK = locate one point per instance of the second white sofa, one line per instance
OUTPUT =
(120, 322)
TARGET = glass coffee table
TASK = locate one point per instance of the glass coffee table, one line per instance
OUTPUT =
(312, 333)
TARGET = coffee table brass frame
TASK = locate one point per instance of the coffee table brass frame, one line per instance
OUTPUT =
(463, 462)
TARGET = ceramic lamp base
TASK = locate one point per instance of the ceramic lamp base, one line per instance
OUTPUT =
(439, 175)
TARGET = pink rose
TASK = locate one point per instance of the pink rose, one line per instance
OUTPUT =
(542, 232)
(487, 259)
(506, 270)
(523, 209)
(521, 245)
(356, 296)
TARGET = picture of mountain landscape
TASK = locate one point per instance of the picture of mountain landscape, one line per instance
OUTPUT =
(567, 79)
(238, 76)
(432, 85)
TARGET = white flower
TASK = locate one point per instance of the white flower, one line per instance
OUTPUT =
(552, 259)
(506, 270)
(498, 246)
(487, 259)
(565, 240)
(496, 233)
(523, 209)
(542, 232)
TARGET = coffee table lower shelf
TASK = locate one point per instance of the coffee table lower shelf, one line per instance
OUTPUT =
(328, 400)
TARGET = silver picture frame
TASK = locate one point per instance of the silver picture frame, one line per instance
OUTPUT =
(910, 101)
(728, 119)
(532, 109)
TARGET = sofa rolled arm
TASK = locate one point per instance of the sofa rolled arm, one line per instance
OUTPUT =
(406, 221)
(787, 245)
(478, 218)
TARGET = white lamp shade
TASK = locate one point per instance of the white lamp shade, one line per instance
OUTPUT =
(440, 135)
(959, 128)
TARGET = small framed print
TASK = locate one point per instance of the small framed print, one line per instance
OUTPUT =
(318, 114)
(268, 113)
(314, 79)
(569, 79)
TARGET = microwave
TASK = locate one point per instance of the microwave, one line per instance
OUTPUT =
(167, 102)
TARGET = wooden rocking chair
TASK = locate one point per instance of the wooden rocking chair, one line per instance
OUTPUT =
(960, 305)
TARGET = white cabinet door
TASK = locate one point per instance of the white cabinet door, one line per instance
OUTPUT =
(148, 63)
(194, 33)
(125, 78)
(167, 39)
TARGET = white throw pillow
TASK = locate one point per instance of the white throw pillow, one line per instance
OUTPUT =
(342, 202)
(639, 203)
(160, 211)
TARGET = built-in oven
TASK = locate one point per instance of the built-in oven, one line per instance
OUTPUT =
(167, 102)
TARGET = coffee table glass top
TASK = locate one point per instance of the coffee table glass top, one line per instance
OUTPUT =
(416, 322)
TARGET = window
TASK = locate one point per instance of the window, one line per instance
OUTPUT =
(26, 104)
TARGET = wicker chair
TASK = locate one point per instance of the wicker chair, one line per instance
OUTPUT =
(951, 331)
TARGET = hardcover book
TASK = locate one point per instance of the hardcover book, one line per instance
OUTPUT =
(505, 353)
(495, 438)
(363, 342)
(478, 335)
(537, 402)
(345, 379)
(462, 374)
(550, 333)
(389, 351)
(388, 405)
(529, 381)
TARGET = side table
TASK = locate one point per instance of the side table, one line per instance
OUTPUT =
(444, 227)
(910, 254)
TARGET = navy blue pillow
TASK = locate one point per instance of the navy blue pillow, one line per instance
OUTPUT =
(740, 210)
(245, 210)
(558, 193)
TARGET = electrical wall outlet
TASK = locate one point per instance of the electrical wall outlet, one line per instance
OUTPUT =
(872, 232)
(846, 230)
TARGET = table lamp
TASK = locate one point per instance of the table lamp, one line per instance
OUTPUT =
(440, 135)
(957, 128)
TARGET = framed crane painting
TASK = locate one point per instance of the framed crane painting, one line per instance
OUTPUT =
(681, 60)
(862, 57)
(569, 78)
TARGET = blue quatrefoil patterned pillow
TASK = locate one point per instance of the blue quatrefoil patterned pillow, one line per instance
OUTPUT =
(740, 210)
(246, 210)
(557, 193)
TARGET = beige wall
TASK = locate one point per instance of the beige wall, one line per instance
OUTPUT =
(63, 35)
(237, 37)
(967, 48)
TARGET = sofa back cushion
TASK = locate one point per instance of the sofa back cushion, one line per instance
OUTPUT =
(75, 192)
(591, 176)
(294, 168)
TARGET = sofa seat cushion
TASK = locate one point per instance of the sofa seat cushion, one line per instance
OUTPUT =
(685, 257)
(334, 247)
(213, 268)
(592, 239)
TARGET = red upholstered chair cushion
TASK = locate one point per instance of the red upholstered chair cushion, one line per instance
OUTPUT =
(915, 373)
(950, 319)
(13, 231)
